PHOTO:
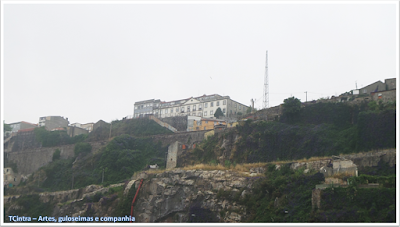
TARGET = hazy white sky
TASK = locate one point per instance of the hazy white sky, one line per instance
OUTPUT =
(94, 61)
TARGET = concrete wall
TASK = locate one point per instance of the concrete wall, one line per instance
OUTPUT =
(53, 122)
(31, 160)
(390, 83)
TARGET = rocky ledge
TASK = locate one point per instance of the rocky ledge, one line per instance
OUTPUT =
(192, 195)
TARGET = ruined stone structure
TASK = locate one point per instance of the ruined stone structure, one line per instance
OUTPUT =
(174, 151)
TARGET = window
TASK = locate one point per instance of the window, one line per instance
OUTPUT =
(235, 105)
(200, 122)
(194, 107)
(204, 128)
(205, 113)
(217, 103)
(212, 104)
(224, 102)
(240, 107)
(177, 109)
(182, 109)
(199, 114)
(211, 112)
(188, 109)
(206, 122)
(172, 110)
(199, 106)
(205, 105)
(223, 110)
(162, 111)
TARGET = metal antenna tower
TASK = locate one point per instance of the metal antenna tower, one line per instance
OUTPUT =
(266, 88)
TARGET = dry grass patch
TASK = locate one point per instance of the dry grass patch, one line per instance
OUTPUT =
(312, 159)
(205, 167)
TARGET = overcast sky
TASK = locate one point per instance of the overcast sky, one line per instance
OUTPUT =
(94, 61)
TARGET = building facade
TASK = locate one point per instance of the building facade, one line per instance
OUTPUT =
(202, 106)
(21, 125)
(390, 84)
(10, 178)
(145, 107)
(53, 122)
(206, 124)
(88, 126)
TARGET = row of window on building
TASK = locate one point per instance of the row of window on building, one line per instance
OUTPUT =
(217, 103)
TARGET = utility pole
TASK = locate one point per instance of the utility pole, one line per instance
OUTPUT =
(110, 130)
(266, 88)
(102, 178)
(306, 96)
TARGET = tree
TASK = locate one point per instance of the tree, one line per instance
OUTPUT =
(218, 113)
(291, 109)
(6, 127)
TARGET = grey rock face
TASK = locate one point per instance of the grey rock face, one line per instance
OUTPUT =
(187, 195)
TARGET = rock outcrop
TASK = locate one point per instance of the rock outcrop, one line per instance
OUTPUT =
(184, 195)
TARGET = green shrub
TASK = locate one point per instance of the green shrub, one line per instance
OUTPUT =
(84, 148)
(56, 154)
(227, 163)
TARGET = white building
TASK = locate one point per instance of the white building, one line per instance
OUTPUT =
(203, 106)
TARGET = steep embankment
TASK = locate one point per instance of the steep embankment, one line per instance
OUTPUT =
(318, 130)
(242, 193)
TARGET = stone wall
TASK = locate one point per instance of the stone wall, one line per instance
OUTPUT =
(269, 114)
(179, 122)
(23, 141)
(31, 160)
(182, 137)
(384, 96)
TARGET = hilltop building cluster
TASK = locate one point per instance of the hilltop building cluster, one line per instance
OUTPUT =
(202, 106)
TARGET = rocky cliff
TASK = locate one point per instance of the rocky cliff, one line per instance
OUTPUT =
(171, 196)
(191, 195)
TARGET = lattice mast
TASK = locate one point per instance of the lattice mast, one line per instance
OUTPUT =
(266, 88)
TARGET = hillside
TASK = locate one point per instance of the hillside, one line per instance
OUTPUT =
(252, 173)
